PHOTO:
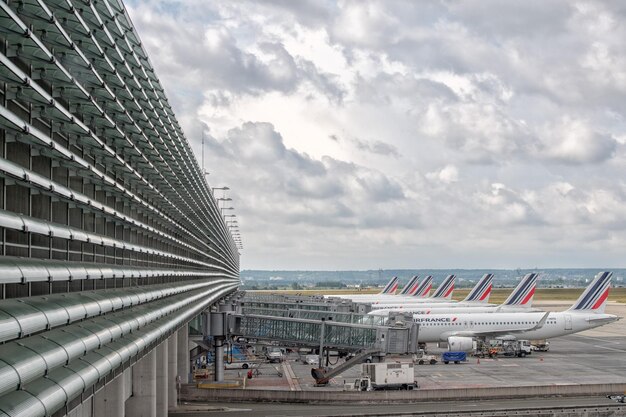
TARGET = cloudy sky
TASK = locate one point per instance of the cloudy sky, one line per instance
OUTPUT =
(404, 134)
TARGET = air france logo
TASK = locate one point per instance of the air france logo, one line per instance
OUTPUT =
(435, 319)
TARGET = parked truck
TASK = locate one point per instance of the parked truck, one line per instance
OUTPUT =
(496, 347)
(385, 376)
(519, 348)
(540, 345)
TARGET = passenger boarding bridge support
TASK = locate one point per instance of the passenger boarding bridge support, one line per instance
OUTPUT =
(149, 387)
(215, 325)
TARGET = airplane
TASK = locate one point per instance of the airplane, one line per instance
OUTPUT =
(519, 300)
(387, 291)
(412, 288)
(484, 286)
(443, 293)
(478, 295)
(445, 289)
(419, 292)
(460, 330)
(391, 286)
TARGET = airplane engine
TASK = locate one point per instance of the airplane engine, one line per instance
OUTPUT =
(460, 344)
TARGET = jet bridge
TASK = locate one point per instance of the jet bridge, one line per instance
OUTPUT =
(399, 337)
(363, 339)
(306, 322)
(337, 316)
(307, 332)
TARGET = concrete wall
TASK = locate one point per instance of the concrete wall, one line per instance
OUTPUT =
(190, 393)
(84, 409)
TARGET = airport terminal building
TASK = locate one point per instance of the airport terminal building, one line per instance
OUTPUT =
(111, 239)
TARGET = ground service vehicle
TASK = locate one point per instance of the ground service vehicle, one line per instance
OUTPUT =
(310, 359)
(274, 354)
(540, 345)
(238, 365)
(427, 359)
(385, 376)
(493, 348)
(456, 357)
(200, 373)
(519, 348)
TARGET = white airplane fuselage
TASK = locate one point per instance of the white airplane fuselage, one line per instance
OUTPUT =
(368, 297)
(387, 299)
(410, 300)
(452, 309)
(418, 307)
(436, 328)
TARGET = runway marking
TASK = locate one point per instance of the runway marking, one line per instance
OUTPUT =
(596, 338)
(609, 348)
(294, 384)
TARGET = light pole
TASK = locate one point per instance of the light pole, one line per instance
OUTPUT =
(219, 188)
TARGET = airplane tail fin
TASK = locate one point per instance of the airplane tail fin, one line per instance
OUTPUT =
(414, 287)
(391, 286)
(424, 287)
(522, 295)
(409, 285)
(593, 299)
(446, 288)
(482, 290)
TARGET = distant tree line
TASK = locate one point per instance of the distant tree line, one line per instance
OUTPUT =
(330, 284)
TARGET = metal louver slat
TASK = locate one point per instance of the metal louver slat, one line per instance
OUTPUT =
(48, 393)
(22, 404)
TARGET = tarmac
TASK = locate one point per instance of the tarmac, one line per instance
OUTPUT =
(593, 356)
(596, 356)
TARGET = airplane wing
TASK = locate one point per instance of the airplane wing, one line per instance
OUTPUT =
(498, 332)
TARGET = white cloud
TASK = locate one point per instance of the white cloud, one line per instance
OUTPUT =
(362, 134)
(573, 141)
(446, 175)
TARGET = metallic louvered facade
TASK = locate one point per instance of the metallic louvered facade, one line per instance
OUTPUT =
(111, 238)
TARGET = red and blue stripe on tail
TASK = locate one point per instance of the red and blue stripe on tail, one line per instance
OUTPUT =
(595, 296)
(391, 287)
(522, 295)
(482, 290)
(409, 286)
(424, 287)
(446, 288)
